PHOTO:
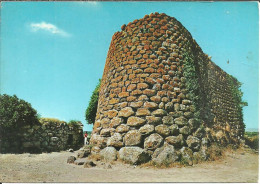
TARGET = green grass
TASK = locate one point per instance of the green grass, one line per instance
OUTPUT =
(252, 139)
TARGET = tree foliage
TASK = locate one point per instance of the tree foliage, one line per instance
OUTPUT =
(16, 113)
(92, 106)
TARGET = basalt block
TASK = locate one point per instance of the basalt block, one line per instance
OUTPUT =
(159, 88)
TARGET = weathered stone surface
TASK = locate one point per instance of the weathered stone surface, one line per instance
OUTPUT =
(143, 112)
(185, 130)
(145, 71)
(165, 155)
(136, 104)
(71, 159)
(193, 142)
(126, 112)
(116, 140)
(105, 132)
(181, 121)
(84, 153)
(105, 123)
(159, 112)
(115, 122)
(146, 129)
(89, 164)
(122, 128)
(112, 113)
(174, 129)
(79, 162)
(153, 141)
(135, 121)
(176, 141)
(150, 105)
(149, 92)
(186, 156)
(95, 150)
(162, 130)
(169, 106)
(98, 140)
(133, 155)
(153, 120)
(168, 120)
(133, 138)
(108, 154)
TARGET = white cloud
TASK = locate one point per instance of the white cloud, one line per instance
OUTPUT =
(88, 3)
(51, 28)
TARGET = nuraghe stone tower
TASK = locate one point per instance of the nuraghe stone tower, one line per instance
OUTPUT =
(161, 98)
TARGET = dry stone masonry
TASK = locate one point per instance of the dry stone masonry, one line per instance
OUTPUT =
(161, 98)
(46, 137)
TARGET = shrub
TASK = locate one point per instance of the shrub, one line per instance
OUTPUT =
(16, 113)
(252, 139)
(92, 106)
(74, 123)
(50, 121)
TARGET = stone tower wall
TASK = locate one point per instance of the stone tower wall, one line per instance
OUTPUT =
(159, 89)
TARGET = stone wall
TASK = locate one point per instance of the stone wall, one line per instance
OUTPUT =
(162, 97)
(47, 137)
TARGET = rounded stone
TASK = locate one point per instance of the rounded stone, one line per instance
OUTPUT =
(133, 138)
(168, 120)
(122, 128)
(146, 129)
(133, 155)
(181, 121)
(176, 141)
(159, 112)
(193, 143)
(126, 112)
(116, 121)
(162, 130)
(143, 112)
(135, 121)
(115, 140)
(108, 154)
(153, 141)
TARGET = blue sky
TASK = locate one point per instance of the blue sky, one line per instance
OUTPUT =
(53, 53)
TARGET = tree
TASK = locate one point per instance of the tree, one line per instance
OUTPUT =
(16, 113)
(92, 106)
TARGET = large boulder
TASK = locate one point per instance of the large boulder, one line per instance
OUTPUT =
(115, 140)
(122, 128)
(153, 120)
(146, 129)
(153, 141)
(135, 121)
(133, 138)
(193, 143)
(162, 130)
(126, 112)
(89, 164)
(185, 130)
(98, 140)
(186, 156)
(133, 155)
(181, 121)
(83, 153)
(168, 120)
(71, 159)
(108, 154)
(176, 141)
(165, 155)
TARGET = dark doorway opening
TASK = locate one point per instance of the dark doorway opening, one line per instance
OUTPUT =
(70, 139)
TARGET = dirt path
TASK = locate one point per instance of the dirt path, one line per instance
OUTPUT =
(239, 166)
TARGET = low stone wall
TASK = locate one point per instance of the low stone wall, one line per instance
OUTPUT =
(42, 138)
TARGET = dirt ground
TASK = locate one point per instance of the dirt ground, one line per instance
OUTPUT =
(236, 166)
